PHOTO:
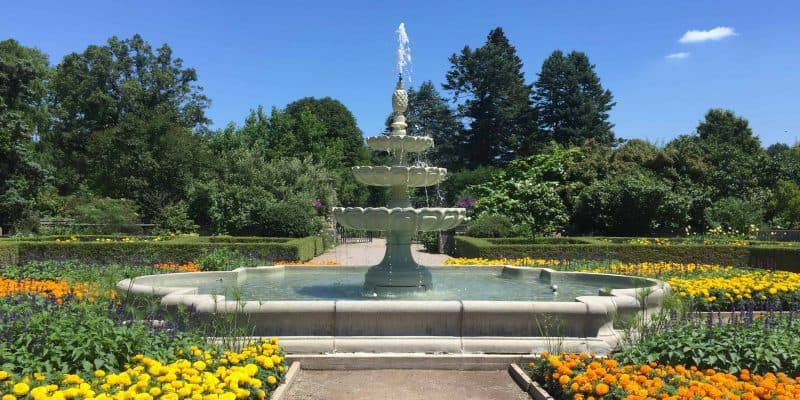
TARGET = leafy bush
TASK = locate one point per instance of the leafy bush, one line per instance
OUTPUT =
(430, 241)
(223, 259)
(736, 214)
(44, 336)
(287, 219)
(635, 203)
(300, 249)
(175, 218)
(768, 344)
(108, 216)
(489, 225)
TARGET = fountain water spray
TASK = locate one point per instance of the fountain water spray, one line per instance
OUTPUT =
(403, 52)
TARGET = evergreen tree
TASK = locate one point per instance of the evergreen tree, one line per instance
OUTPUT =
(496, 102)
(572, 105)
(429, 115)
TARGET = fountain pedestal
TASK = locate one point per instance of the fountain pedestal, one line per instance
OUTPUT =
(398, 272)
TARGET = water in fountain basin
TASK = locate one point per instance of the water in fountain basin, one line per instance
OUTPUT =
(346, 283)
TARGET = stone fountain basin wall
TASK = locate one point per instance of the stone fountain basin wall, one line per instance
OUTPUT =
(410, 326)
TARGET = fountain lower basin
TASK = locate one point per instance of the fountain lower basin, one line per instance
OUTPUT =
(348, 324)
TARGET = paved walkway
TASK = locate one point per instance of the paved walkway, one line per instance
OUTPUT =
(405, 385)
(372, 253)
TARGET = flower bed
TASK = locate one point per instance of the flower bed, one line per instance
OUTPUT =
(708, 287)
(583, 376)
(252, 373)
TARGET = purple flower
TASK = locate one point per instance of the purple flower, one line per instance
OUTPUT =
(317, 203)
(465, 202)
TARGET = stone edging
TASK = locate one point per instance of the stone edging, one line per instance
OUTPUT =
(534, 390)
(283, 389)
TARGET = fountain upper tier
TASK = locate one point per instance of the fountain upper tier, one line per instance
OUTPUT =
(399, 175)
(405, 219)
(400, 144)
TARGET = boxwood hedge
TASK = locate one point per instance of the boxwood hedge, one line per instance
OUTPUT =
(785, 258)
(141, 252)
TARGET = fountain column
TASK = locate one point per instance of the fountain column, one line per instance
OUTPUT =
(398, 272)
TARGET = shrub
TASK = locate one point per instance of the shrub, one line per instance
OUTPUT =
(107, 216)
(223, 259)
(784, 258)
(489, 225)
(287, 219)
(430, 241)
(175, 218)
(733, 213)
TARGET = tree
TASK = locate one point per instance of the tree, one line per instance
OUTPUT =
(339, 143)
(23, 72)
(635, 203)
(571, 103)
(116, 91)
(496, 102)
(734, 154)
(527, 191)
(428, 114)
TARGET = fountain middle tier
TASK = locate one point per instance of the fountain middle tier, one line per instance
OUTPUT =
(399, 175)
(400, 218)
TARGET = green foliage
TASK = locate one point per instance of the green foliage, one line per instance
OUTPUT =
(77, 337)
(249, 195)
(632, 204)
(428, 114)
(9, 253)
(526, 192)
(496, 101)
(75, 271)
(572, 105)
(430, 241)
(223, 259)
(735, 214)
(489, 225)
(22, 75)
(784, 207)
(107, 215)
(289, 218)
(457, 184)
(175, 218)
(124, 116)
(769, 344)
(146, 253)
(781, 258)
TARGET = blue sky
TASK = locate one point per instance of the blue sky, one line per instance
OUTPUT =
(256, 53)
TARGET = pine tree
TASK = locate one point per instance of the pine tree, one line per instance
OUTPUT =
(497, 104)
(429, 115)
(572, 104)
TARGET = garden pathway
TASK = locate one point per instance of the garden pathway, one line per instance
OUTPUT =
(372, 253)
(405, 384)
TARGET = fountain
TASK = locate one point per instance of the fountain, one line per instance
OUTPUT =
(401, 306)
(398, 272)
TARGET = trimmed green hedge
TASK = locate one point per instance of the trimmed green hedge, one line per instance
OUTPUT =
(543, 240)
(784, 258)
(179, 250)
(9, 253)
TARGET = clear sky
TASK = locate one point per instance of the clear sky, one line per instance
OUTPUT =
(271, 53)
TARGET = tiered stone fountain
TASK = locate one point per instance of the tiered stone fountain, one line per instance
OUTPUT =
(398, 272)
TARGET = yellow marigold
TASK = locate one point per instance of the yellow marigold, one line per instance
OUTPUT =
(20, 389)
(272, 380)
